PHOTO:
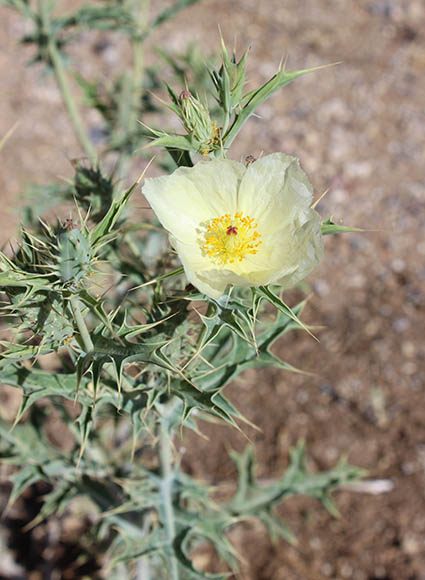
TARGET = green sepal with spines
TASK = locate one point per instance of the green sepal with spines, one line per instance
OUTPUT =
(74, 255)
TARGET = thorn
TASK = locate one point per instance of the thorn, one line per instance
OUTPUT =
(145, 170)
(8, 134)
(313, 205)
(78, 211)
(282, 64)
(223, 46)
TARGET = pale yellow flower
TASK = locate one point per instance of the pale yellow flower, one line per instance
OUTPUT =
(237, 225)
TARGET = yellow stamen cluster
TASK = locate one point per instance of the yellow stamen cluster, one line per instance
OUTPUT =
(214, 141)
(228, 239)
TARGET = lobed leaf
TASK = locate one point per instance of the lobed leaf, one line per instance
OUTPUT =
(255, 499)
(256, 97)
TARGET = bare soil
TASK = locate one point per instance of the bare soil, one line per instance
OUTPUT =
(359, 131)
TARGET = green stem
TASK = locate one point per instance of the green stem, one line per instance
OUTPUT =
(84, 333)
(133, 86)
(63, 83)
(167, 479)
(225, 123)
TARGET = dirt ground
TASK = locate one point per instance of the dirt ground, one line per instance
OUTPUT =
(359, 129)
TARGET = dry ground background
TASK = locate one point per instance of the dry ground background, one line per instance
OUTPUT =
(359, 131)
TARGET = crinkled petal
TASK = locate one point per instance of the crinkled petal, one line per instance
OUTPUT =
(193, 195)
(206, 283)
(203, 274)
(304, 254)
(273, 190)
(213, 283)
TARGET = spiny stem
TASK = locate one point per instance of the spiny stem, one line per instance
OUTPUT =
(133, 85)
(63, 84)
(84, 333)
(167, 478)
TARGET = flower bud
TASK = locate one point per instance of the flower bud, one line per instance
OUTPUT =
(197, 122)
(74, 254)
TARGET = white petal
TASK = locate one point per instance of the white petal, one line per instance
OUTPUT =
(206, 284)
(190, 196)
(273, 189)
(306, 252)
(214, 282)
(191, 254)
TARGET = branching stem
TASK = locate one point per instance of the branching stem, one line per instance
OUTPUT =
(63, 83)
(167, 480)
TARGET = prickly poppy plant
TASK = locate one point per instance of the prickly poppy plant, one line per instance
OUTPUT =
(112, 303)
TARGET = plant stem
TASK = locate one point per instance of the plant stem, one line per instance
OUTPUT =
(143, 569)
(84, 333)
(63, 83)
(167, 478)
(133, 85)
(225, 123)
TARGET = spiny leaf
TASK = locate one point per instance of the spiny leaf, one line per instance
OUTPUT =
(266, 293)
(37, 384)
(173, 142)
(104, 17)
(11, 275)
(255, 98)
(19, 352)
(21, 481)
(230, 354)
(276, 527)
(252, 498)
(185, 564)
(255, 499)
(129, 548)
(209, 402)
(330, 227)
(55, 502)
(105, 227)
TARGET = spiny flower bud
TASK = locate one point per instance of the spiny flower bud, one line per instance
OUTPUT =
(74, 254)
(197, 122)
(185, 95)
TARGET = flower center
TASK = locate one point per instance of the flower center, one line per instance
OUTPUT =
(228, 239)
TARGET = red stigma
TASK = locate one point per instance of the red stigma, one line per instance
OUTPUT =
(185, 95)
(232, 230)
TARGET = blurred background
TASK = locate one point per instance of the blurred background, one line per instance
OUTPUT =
(359, 130)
